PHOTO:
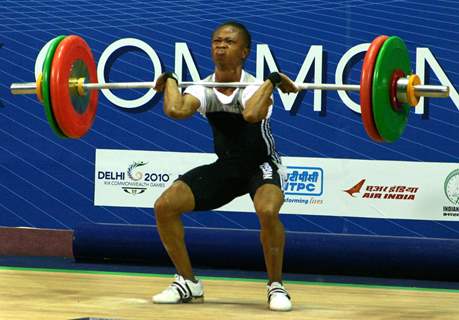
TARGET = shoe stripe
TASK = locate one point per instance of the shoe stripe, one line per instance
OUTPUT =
(270, 296)
(184, 292)
(179, 290)
(190, 294)
(279, 290)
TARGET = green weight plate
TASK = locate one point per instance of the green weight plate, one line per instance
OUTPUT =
(79, 70)
(46, 88)
(390, 123)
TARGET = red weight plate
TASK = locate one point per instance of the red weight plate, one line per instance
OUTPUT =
(393, 89)
(74, 120)
(366, 88)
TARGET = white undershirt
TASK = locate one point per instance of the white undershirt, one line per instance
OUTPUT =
(199, 92)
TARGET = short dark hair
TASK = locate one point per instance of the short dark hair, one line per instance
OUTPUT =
(245, 33)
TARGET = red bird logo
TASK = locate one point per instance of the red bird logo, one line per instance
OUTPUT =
(356, 188)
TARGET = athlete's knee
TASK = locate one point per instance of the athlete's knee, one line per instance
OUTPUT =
(174, 201)
(268, 201)
(267, 214)
(164, 209)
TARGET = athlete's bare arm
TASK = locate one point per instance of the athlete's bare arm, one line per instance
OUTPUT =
(176, 105)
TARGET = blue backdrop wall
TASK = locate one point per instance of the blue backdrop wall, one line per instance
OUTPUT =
(48, 182)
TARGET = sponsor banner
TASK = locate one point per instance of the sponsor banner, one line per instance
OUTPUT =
(131, 178)
(318, 186)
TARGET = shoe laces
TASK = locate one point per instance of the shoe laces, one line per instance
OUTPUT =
(277, 288)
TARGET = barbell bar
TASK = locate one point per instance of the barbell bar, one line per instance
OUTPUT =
(70, 91)
(432, 91)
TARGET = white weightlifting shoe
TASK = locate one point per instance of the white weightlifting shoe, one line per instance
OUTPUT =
(278, 297)
(181, 291)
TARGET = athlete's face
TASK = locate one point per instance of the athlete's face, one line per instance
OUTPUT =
(228, 47)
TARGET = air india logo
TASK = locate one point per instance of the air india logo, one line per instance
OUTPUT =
(383, 192)
(355, 189)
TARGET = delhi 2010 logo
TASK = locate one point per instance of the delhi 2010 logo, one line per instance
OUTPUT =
(135, 176)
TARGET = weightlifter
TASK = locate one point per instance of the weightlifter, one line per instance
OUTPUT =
(247, 163)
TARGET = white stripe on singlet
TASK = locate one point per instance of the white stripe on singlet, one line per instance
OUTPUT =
(275, 154)
(269, 140)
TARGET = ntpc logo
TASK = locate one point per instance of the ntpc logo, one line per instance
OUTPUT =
(304, 181)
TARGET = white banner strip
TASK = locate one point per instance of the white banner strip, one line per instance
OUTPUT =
(316, 186)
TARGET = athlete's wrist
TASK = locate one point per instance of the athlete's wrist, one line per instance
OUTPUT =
(275, 79)
(170, 75)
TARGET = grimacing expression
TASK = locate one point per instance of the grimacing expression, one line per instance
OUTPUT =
(228, 46)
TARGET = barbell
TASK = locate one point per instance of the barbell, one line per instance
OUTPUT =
(67, 87)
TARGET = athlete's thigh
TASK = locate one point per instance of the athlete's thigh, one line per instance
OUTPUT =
(213, 185)
(268, 199)
(177, 198)
(266, 186)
